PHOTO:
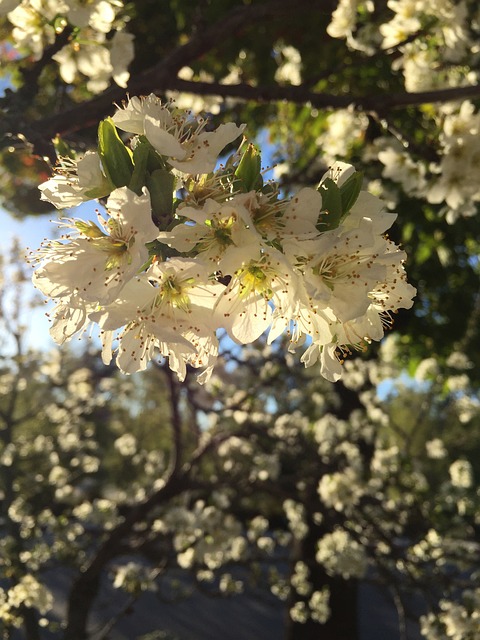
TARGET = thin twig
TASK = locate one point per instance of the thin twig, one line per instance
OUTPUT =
(176, 423)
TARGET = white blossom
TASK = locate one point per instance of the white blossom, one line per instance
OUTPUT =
(461, 475)
(341, 555)
(126, 444)
(88, 52)
(76, 181)
(289, 65)
(296, 515)
(319, 605)
(435, 449)
(134, 577)
(29, 592)
(246, 262)
(455, 620)
(340, 489)
(175, 134)
(169, 308)
(32, 24)
(99, 259)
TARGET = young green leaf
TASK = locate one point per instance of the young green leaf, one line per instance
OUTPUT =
(331, 204)
(248, 171)
(349, 191)
(115, 156)
(140, 162)
(160, 184)
(63, 149)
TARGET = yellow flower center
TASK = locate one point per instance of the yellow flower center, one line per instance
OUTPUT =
(172, 292)
(254, 279)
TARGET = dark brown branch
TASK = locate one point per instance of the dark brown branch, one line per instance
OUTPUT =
(176, 422)
(160, 77)
(163, 77)
(300, 95)
(31, 73)
(85, 588)
(202, 42)
(91, 112)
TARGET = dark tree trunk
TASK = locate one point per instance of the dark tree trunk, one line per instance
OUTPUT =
(342, 624)
(343, 621)
(30, 624)
(82, 596)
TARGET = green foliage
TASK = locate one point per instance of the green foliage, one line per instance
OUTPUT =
(349, 191)
(115, 156)
(338, 200)
(19, 183)
(248, 171)
(160, 185)
(140, 159)
(332, 202)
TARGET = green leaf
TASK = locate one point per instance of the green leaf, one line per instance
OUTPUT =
(331, 204)
(423, 253)
(349, 191)
(248, 171)
(155, 160)
(412, 365)
(140, 162)
(116, 158)
(161, 184)
(444, 255)
(155, 250)
(63, 149)
(337, 201)
(100, 192)
(407, 231)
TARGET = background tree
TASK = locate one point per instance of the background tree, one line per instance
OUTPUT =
(230, 504)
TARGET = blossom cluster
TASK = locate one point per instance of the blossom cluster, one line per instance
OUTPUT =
(98, 48)
(341, 555)
(28, 592)
(432, 46)
(430, 36)
(187, 247)
(456, 620)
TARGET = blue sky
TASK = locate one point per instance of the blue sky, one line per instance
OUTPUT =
(30, 232)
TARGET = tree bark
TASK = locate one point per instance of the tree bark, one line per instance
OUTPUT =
(82, 597)
(342, 624)
(343, 621)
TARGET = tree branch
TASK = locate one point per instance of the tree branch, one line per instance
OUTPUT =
(163, 76)
(158, 78)
(90, 113)
(302, 95)
(176, 422)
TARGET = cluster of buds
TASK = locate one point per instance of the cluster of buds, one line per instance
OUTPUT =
(186, 248)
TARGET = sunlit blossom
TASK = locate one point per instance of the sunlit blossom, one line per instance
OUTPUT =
(76, 181)
(176, 134)
(101, 257)
(247, 261)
